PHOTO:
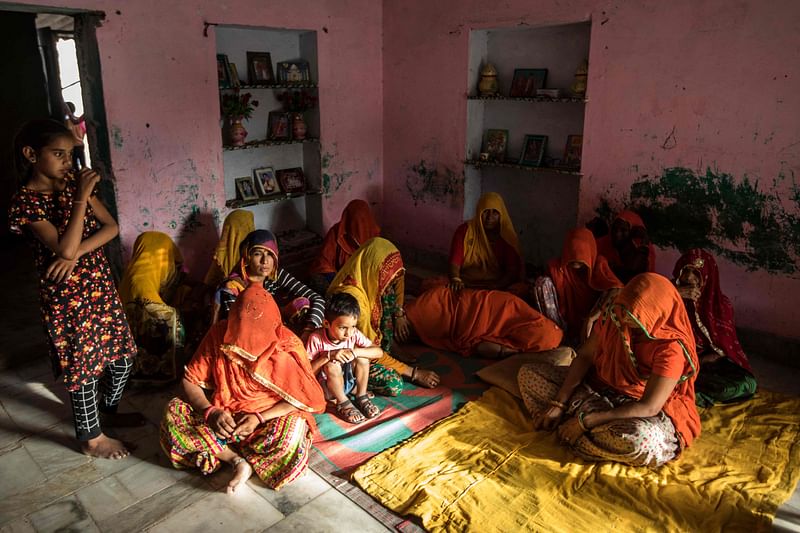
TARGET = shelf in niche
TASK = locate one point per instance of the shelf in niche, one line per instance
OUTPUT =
(545, 99)
(267, 142)
(309, 85)
(236, 203)
(556, 170)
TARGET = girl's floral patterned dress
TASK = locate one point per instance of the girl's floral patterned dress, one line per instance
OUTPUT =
(82, 316)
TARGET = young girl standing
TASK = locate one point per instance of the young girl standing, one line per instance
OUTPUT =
(87, 332)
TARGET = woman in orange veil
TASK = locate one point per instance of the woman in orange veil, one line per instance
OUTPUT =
(264, 393)
(356, 227)
(575, 284)
(627, 247)
(629, 394)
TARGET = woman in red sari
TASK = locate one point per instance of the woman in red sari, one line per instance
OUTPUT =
(264, 393)
(725, 374)
(356, 227)
(629, 394)
(576, 285)
(627, 247)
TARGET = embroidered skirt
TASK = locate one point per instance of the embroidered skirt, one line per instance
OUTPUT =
(650, 441)
(278, 450)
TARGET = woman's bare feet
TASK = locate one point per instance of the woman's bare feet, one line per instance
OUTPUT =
(105, 448)
(241, 473)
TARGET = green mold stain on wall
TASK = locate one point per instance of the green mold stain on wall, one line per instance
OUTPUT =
(733, 218)
(116, 137)
(424, 180)
(332, 181)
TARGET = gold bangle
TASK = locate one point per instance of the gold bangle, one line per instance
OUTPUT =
(400, 314)
(456, 278)
(556, 403)
(581, 423)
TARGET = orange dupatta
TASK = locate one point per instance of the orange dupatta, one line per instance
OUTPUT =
(356, 227)
(667, 350)
(460, 321)
(578, 291)
(252, 361)
(605, 246)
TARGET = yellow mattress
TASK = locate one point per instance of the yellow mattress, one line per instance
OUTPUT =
(484, 469)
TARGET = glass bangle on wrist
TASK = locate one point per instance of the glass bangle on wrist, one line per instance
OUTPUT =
(400, 313)
(556, 403)
(582, 423)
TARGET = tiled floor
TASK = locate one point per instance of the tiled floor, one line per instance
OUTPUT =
(47, 485)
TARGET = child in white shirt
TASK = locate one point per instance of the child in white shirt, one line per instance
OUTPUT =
(340, 356)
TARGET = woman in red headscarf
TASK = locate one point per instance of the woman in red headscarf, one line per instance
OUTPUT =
(264, 393)
(726, 375)
(356, 227)
(627, 247)
(576, 285)
(629, 394)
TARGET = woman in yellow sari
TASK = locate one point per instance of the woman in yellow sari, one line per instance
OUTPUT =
(238, 224)
(485, 252)
(374, 275)
(151, 292)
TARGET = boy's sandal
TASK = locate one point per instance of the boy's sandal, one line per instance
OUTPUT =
(349, 413)
(369, 409)
(424, 378)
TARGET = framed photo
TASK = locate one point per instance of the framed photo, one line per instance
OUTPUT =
(234, 75)
(533, 150)
(279, 126)
(292, 179)
(259, 68)
(245, 188)
(526, 81)
(294, 72)
(495, 145)
(266, 182)
(223, 72)
(572, 152)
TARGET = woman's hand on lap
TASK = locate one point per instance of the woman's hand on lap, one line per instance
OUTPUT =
(401, 330)
(570, 431)
(548, 419)
(222, 422)
(246, 423)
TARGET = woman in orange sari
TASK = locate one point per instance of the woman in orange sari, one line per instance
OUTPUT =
(576, 285)
(486, 323)
(264, 393)
(356, 227)
(484, 253)
(627, 247)
(374, 275)
(629, 394)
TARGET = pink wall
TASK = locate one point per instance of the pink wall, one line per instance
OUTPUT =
(723, 75)
(162, 102)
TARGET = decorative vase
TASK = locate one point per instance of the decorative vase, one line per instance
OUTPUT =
(298, 127)
(487, 86)
(236, 132)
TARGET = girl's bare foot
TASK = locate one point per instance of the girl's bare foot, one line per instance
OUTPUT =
(105, 448)
(241, 473)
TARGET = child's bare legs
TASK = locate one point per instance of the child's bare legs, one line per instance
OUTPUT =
(335, 373)
(361, 372)
(241, 469)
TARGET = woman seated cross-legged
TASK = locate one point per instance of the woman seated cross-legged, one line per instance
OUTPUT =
(629, 394)
(479, 322)
(263, 394)
(374, 276)
(725, 373)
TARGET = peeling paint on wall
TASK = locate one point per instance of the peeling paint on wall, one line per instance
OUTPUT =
(736, 219)
(424, 182)
(333, 181)
(116, 137)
